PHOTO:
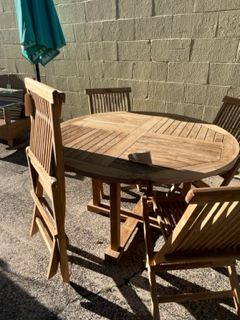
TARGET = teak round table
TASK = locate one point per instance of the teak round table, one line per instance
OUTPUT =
(181, 149)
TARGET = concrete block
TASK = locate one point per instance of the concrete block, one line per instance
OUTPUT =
(150, 71)
(174, 108)
(134, 50)
(216, 5)
(95, 50)
(224, 74)
(209, 113)
(68, 31)
(109, 50)
(214, 50)
(21, 66)
(60, 83)
(229, 24)
(72, 13)
(195, 25)
(185, 109)
(101, 10)
(171, 50)
(88, 31)
(9, 66)
(89, 69)
(12, 51)
(119, 30)
(78, 84)
(9, 37)
(163, 7)
(64, 67)
(118, 70)
(103, 83)
(153, 28)
(80, 109)
(2, 51)
(182, 6)
(139, 88)
(93, 31)
(188, 72)
(215, 95)
(80, 31)
(149, 105)
(195, 93)
(8, 20)
(60, 56)
(159, 71)
(142, 70)
(234, 91)
(134, 8)
(76, 51)
(168, 7)
(102, 50)
(49, 69)
(3, 66)
(7, 5)
(72, 98)
(168, 91)
(66, 112)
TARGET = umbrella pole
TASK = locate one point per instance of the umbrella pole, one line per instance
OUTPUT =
(37, 72)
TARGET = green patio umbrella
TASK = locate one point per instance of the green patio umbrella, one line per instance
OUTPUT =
(40, 31)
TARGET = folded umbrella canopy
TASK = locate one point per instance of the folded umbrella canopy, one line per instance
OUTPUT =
(40, 31)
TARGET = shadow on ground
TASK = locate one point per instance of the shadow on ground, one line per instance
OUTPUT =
(16, 303)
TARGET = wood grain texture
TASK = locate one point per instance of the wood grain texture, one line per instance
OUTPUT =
(181, 150)
(46, 166)
(204, 233)
(108, 99)
(227, 118)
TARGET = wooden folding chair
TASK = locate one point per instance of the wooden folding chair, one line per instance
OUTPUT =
(45, 159)
(108, 100)
(204, 233)
(227, 118)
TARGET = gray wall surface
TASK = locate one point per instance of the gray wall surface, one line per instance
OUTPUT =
(179, 56)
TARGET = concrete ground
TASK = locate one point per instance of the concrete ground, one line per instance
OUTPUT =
(98, 290)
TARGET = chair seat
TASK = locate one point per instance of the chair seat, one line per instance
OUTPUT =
(202, 232)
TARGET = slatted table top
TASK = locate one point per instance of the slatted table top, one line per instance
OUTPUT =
(181, 150)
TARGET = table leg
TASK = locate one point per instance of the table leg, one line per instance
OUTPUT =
(115, 215)
(120, 233)
(96, 192)
(113, 253)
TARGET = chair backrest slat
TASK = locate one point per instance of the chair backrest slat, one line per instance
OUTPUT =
(109, 99)
(45, 137)
(213, 227)
(228, 116)
(45, 159)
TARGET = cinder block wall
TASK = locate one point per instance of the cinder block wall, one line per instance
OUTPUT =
(179, 56)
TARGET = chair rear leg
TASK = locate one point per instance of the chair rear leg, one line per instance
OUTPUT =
(149, 260)
(61, 240)
(153, 291)
(233, 277)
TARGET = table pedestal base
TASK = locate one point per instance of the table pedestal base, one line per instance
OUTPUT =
(127, 228)
(129, 221)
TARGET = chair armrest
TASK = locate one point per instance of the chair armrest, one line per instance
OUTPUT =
(6, 110)
(208, 195)
(6, 115)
